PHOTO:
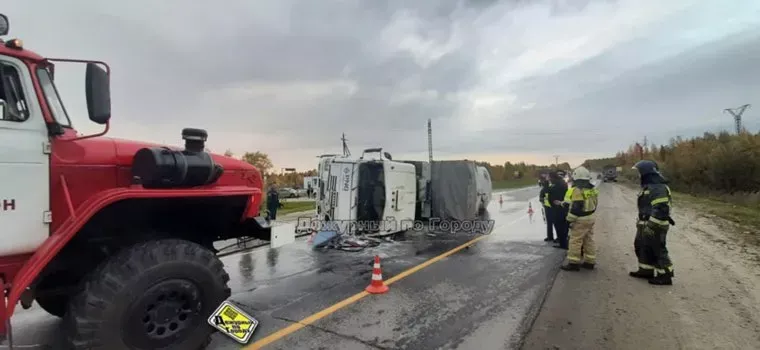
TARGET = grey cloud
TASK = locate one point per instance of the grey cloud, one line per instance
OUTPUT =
(681, 95)
(305, 71)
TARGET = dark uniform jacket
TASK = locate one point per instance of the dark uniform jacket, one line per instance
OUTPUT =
(557, 191)
(273, 200)
(654, 201)
(544, 188)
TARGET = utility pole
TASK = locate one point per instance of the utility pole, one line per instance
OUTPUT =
(346, 152)
(556, 161)
(640, 150)
(737, 114)
(430, 141)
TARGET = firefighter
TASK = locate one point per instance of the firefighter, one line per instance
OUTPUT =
(548, 217)
(583, 199)
(653, 222)
(556, 195)
(273, 203)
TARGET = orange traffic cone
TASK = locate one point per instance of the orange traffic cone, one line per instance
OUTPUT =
(377, 286)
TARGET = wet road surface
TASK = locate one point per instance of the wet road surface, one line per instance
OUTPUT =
(483, 297)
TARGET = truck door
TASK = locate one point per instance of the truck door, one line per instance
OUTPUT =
(401, 193)
(24, 162)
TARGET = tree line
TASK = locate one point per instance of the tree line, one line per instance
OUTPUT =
(715, 164)
(262, 162)
(498, 172)
(515, 171)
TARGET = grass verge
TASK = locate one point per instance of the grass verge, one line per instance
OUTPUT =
(740, 214)
(743, 215)
(296, 206)
(514, 183)
(291, 207)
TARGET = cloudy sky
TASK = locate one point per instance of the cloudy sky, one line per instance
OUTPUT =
(501, 80)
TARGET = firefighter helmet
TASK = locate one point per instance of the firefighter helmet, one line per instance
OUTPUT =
(646, 167)
(581, 173)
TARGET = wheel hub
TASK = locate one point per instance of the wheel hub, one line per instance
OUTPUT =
(165, 314)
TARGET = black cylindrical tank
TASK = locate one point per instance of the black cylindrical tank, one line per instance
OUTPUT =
(162, 167)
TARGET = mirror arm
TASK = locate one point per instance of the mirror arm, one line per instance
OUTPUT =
(105, 131)
(70, 60)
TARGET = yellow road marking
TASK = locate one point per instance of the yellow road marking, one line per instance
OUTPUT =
(356, 297)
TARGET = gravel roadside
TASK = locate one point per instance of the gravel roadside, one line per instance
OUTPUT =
(713, 304)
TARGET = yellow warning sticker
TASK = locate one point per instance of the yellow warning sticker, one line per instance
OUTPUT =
(232, 321)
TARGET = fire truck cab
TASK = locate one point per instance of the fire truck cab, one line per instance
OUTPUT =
(114, 236)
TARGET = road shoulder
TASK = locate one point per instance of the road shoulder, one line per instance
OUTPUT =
(713, 303)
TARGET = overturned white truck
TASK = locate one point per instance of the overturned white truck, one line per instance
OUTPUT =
(376, 194)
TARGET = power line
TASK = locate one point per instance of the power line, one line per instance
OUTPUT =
(737, 114)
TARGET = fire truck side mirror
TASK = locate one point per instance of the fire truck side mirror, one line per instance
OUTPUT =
(4, 25)
(3, 110)
(98, 92)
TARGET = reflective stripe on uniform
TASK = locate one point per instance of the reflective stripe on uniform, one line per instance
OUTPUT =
(663, 271)
(572, 217)
(590, 201)
(660, 200)
(658, 221)
(646, 267)
(546, 196)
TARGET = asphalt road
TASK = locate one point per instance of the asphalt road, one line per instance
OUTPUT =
(485, 296)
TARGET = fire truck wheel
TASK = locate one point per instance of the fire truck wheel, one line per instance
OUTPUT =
(153, 295)
(54, 305)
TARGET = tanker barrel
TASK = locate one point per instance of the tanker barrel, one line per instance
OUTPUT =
(163, 167)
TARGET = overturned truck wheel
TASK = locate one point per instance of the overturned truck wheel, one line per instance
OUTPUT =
(153, 295)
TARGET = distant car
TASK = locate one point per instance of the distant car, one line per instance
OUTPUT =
(287, 192)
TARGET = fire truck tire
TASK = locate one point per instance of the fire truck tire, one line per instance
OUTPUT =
(54, 305)
(153, 295)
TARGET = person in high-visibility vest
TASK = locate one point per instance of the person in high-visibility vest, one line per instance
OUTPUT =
(654, 202)
(547, 208)
(583, 199)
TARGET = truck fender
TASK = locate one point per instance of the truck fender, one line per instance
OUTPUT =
(50, 248)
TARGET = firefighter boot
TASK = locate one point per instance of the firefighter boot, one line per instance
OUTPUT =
(665, 279)
(588, 266)
(642, 273)
(571, 267)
